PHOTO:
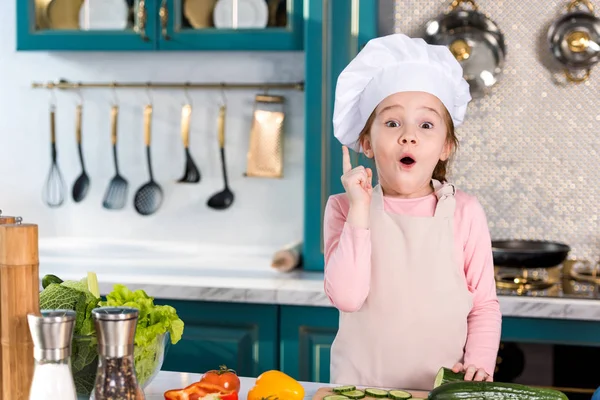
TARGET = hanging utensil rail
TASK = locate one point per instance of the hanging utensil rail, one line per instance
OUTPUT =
(63, 84)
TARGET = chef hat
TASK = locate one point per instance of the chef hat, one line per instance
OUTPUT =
(392, 64)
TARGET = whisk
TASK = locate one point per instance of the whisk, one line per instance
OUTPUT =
(54, 189)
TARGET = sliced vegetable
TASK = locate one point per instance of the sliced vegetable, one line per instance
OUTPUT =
(276, 385)
(223, 377)
(377, 393)
(399, 395)
(341, 389)
(493, 390)
(354, 394)
(446, 375)
(93, 287)
(201, 391)
(335, 397)
(48, 279)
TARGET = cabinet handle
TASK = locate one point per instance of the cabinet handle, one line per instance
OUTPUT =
(164, 19)
(141, 20)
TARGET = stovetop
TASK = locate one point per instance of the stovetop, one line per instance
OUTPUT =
(574, 279)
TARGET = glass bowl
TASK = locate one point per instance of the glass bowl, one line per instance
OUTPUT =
(148, 361)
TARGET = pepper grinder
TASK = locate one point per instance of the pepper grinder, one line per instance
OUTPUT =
(116, 378)
(19, 296)
(52, 334)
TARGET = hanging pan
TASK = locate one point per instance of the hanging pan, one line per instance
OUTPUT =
(474, 40)
(574, 40)
(528, 253)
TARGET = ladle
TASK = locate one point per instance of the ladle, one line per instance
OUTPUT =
(223, 199)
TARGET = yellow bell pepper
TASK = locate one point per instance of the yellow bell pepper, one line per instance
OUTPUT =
(275, 385)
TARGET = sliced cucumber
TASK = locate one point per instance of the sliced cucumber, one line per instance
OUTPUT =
(354, 394)
(335, 397)
(399, 395)
(341, 389)
(446, 375)
(377, 393)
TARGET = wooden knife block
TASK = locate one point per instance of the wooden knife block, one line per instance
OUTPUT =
(19, 295)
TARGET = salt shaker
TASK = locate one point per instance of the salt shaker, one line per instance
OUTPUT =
(52, 333)
(116, 378)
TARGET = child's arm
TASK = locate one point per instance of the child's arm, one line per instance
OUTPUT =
(485, 319)
(347, 257)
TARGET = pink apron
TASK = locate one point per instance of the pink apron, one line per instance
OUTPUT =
(414, 319)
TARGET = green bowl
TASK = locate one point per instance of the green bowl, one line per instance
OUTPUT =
(84, 361)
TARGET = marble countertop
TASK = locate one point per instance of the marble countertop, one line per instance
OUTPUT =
(219, 274)
(175, 380)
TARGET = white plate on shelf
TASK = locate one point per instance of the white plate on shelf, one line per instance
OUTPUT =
(241, 14)
(103, 15)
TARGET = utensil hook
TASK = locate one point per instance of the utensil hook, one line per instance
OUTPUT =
(187, 93)
(223, 97)
(457, 3)
(79, 94)
(113, 85)
(52, 99)
(576, 3)
(149, 93)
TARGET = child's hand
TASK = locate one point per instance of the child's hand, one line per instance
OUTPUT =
(472, 373)
(356, 181)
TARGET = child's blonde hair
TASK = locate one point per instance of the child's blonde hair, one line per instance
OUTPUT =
(440, 170)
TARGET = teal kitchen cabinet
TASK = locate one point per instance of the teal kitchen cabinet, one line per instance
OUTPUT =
(181, 29)
(54, 28)
(242, 336)
(306, 335)
(334, 32)
(182, 25)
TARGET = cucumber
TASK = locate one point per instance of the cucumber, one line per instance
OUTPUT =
(446, 375)
(492, 390)
(341, 389)
(335, 397)
(354, 394)
(377, 393)
(399, 395)
(48, 279)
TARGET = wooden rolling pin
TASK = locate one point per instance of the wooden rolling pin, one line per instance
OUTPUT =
(19, 295)
(288, 258)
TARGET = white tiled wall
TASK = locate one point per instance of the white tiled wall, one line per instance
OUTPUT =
(266, 211)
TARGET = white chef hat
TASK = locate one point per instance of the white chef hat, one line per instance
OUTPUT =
(391, 64)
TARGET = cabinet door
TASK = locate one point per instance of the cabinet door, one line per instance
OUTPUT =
(335, 30)
(239, 335)
(89, 25)
(230, 25)
(306, 335)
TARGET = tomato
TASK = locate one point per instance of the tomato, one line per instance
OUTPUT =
(225, 378)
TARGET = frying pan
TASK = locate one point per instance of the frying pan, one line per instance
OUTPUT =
(528, 253)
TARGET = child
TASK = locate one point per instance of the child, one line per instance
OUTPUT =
(409, 261)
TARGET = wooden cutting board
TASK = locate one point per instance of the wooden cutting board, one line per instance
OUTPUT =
(325, 391)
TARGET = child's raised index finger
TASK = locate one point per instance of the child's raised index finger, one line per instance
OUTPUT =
(346, 165)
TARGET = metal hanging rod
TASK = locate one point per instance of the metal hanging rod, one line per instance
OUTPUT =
(63, 84)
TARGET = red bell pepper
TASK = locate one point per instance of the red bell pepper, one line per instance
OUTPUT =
(201, 391)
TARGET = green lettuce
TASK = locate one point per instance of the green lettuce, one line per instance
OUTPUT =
(153, 321)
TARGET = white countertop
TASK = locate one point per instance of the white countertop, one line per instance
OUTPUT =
(176, 380)
(244, 275)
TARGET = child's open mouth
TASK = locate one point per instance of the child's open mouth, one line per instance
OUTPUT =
(407, 162)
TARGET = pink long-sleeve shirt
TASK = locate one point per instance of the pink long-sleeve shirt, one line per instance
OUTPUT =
(348, 265)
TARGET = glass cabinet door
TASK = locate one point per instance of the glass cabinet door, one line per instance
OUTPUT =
(85, 24)
(230, 24)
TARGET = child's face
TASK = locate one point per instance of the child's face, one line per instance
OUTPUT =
(407, 139)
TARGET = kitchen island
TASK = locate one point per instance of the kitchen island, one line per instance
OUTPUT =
(173, 380)
(240, 312)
